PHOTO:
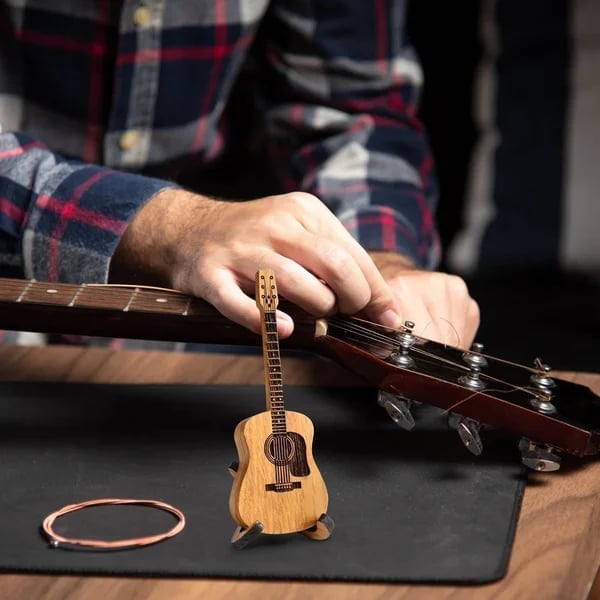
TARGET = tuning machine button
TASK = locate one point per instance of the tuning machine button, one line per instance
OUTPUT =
(406, 339)
(468, 432)
(475, 361)
(543, 385)
(397, 408)
(538, 457)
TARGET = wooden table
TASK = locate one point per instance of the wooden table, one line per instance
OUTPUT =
(557, 546)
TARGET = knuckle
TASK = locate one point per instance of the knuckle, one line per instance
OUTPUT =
(337, 261)
(306, 207)
(456, 285)
(303, 199)
(474, 313)
(215, 295)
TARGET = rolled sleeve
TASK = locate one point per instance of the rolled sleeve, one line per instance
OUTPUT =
(68, 216)
(343, 92)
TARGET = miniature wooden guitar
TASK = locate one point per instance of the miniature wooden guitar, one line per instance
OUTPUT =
(277, 486)
(549, 414)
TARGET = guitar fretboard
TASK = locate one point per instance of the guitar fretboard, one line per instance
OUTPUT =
(274, 379)
(99, 297)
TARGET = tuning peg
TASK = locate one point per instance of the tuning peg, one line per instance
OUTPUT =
(468, 432)
(397, 408)
(541, 378)
(476, 362)
(406, 339)
(538, 457)
(543, 385)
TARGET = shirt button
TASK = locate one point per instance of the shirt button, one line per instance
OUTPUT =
(129, 139)
(142, 16)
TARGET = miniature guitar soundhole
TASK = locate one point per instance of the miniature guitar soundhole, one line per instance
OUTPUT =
(277, 486)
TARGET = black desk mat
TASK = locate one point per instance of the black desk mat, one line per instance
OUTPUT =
(408, 506)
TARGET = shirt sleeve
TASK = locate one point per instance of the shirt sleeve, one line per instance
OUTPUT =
(342, 89)
(61, 220)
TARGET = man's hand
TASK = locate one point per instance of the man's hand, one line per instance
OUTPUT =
(438, 304)
(212, 249)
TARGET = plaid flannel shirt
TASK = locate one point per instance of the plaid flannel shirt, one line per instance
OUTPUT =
(103, 103)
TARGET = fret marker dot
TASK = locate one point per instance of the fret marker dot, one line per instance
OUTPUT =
(52, 291)
(162, 300)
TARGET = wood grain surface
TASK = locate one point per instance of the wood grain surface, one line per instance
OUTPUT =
(556, 552)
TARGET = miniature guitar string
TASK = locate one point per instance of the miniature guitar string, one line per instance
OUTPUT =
(56, 540)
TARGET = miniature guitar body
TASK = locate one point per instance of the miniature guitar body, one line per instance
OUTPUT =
(277, 486)
(277, 482)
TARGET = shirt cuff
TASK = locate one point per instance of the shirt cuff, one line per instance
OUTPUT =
(75, 227)
(383, 228)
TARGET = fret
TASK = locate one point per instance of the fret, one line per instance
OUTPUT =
(75, 295)
(131, 298)
(100, 297)
(164, 301)
(48, 293)
(11, 289)
(187, 307)
(25, 290)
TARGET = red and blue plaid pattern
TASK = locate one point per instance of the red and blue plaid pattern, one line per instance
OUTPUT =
(103, 103)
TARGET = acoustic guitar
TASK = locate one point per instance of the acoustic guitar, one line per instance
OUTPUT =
(548, 414)
(277, 486)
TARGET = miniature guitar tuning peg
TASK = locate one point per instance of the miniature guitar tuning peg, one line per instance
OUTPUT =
(475, 361)
(538, 457)
(397, 408)
(468, 432)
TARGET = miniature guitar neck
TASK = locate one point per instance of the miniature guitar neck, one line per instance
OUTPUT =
(266, 293)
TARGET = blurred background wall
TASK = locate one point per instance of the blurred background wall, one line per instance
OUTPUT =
(512, 105)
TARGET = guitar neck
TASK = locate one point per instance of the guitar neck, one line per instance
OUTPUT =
(273, 374)
(436, 376)
(135, 312)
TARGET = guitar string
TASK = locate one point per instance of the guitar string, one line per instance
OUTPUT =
(357, 320)
(386, 338)
(352, 324)
(359, 330)
(395, 345)
(114, 291)
(474, 393)
(56, 539)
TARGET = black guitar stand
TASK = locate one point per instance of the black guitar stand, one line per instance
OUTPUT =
(242, 536)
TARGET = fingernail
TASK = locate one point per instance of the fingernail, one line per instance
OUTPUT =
(389, 318)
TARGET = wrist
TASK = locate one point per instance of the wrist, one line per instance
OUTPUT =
(390, 263)
(149, 252)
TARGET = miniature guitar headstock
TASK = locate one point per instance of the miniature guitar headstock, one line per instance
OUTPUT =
(266, 291)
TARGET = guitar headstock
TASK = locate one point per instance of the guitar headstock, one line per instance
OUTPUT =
(476, 390)
(266, 290)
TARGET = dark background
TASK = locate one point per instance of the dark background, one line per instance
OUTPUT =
(530, 306)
